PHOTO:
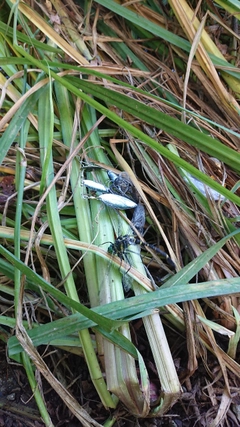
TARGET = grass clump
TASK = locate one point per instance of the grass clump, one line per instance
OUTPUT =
(88, 88)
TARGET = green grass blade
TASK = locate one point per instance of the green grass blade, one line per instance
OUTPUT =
(16, 124)
(149, 141)
(165, 122)
(140, 21)
(133, 307)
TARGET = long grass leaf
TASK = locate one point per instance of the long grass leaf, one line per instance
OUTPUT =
(133, 307)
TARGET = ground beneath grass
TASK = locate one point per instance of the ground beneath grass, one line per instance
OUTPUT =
(18, 408)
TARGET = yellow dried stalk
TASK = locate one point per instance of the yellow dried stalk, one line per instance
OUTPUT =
(49, 32)
(71, 30)
(190, 25)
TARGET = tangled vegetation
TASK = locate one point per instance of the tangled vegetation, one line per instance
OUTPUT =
(150, 89)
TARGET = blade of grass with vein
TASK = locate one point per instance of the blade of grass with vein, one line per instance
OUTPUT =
(171, 102)
(121, 372)
(234, 340)
(31, 375)
(175, 105)
(155, 29)
(192, 268)
(232, 6)
(82, 211)
(16, 124)
(7, 31)
(83, 226)
(162, 356)
(145, 23)
(203, 200)
(106, 324)
(152, 300)
(81, 206)
(18, 280)
(162, 121)
(132, 308)
(45, 140)
(168, 123)
(9, 68)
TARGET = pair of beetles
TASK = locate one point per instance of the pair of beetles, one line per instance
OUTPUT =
(121, 194)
